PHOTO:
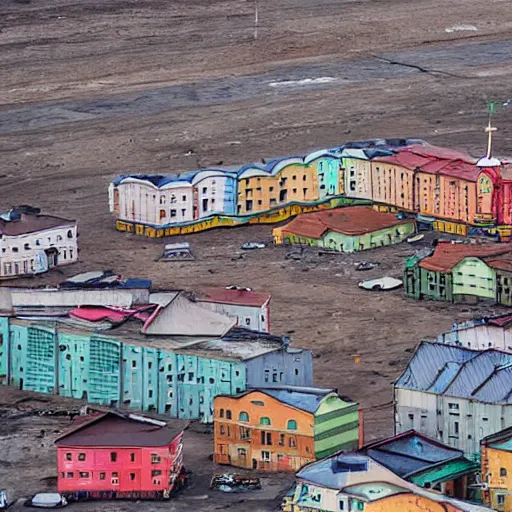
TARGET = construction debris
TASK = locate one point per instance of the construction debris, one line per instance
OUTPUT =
(177, 252)
(234, 483)
(381, 284)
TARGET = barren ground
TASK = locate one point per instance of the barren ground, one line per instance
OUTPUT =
(92, 89)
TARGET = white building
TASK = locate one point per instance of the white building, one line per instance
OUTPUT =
(455, 395)
(481, 334)
(250, 309)
(31, 243)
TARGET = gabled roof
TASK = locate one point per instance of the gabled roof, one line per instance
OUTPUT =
(447, 255)
(411, 454)
(116, 429)
(501, 440)
(238, 297)
(449, 370)
(303, 398)
(352, 221)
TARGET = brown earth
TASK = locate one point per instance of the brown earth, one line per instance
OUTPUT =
(92, 89)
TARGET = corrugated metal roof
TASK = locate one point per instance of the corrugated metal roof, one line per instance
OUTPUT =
(447, 255)
(351, 221)
(459, 372)
(411, 454)
(446, 472)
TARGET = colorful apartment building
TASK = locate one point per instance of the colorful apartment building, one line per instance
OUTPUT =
(117, 365)
(496, 462)
(425, 462)
(347, 229)
(282, 428)
(114, 455)
(447, 189)
(356, 482)
(462, 272)
(455, 395)
(31, 243)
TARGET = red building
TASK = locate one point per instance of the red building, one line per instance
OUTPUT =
(116, 455)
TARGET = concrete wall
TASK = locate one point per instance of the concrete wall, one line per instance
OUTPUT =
(251, 317)
(293, 368)
(458, 422)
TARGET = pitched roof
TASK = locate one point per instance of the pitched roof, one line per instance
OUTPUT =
(303, 398)
(238, 297)
(501, 440)
(31, 224)
(117, 429)
(447, 255)
(353, 220)
(410, 454)
(501, 262)
(449, 370)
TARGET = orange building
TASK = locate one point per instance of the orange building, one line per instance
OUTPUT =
(282, 428)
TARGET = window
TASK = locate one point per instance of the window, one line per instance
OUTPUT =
(113, 456)
(266, 438)
(81, 456)
(69, 456)
(155, 459)
(503, 471)
(14, 249)
(221, 413)
(247, 321)
(243, 416)
(292, 442)
(292, 425)
(265, 456)
(245, 434)
(132, 457)
(156, 472)
(501, 499)
(102, 476)
(70, 475)
(205, 190)
(265, 420)
(70, 235)
(162, 214)
(228, 414)
(258, 402)
(83, 474)
(296, 371)
(132, 476)
(114, 480)
(27, 247)
(173, 213)
(281, 439)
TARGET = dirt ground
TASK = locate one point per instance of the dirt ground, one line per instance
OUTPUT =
(93, 89)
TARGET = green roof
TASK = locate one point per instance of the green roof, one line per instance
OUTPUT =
(505, 445)
(445, 472)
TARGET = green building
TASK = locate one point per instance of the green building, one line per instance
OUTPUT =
(347, 229)
(461, 272)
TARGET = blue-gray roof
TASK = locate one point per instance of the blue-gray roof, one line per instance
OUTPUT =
(483, 375)
(410, 452)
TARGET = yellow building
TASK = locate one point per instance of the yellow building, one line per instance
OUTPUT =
(496, 451)
(288, 180)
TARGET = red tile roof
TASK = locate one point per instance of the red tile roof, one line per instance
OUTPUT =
(447, 255)
(235, 297)
(501, 321)
(503, 262)
(406, 159)
(354, 220)
(115, 429)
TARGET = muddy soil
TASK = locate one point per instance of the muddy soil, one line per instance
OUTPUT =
(93, 89)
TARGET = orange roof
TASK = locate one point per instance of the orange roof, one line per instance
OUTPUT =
(446, 255)
(353, 220)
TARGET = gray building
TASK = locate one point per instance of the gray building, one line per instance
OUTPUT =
(455, 395)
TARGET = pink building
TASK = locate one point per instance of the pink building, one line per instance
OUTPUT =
(114, 455)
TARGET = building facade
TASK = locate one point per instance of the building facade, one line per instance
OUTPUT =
(455, 395)
(450, 190)
(172, 376)
(460, 272)
(497, 470)
(117, 455)
(282, 428)
(31, 243)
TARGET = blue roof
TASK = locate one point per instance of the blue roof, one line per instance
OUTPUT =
(484, 375)
(409, 453)
(308, 402)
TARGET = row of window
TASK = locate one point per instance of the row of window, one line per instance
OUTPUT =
(82, 457)
(27, 246)
(102, 475)
(266, 438)
(264, 420)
